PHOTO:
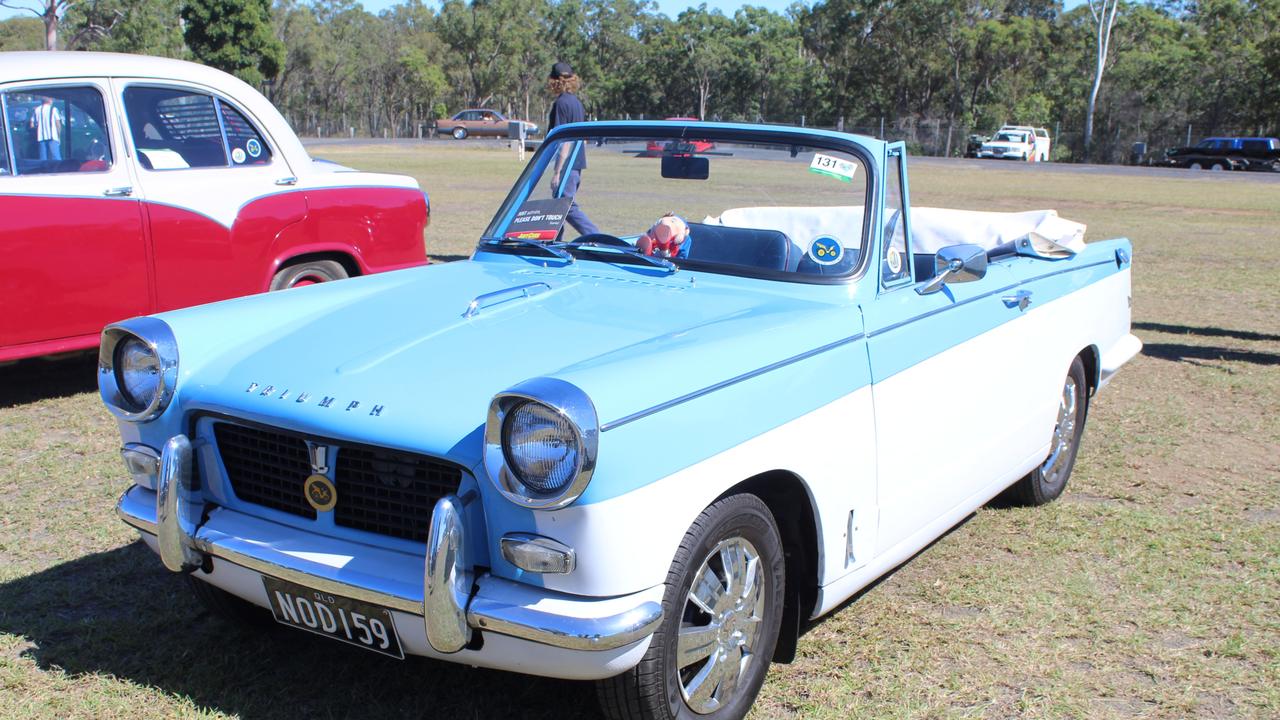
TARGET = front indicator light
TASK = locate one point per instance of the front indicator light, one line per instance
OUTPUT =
(534, 553)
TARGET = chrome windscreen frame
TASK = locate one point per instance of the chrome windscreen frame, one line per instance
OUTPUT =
(157, 335)
(570, 402)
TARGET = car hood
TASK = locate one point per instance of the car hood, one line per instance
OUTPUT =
(393, 359)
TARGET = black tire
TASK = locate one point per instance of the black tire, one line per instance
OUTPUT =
(1195, 166)
(308, 273)
(459, 133)
(1046, 483)
(228, 607)
(1217, 167)
(655, 689)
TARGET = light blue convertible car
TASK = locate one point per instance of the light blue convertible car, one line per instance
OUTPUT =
(644, 433)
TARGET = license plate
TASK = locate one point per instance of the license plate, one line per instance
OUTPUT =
(351, 621)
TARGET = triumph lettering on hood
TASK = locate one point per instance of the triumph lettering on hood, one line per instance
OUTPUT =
(325, 401)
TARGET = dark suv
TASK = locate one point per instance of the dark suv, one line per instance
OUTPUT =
(1227, 153)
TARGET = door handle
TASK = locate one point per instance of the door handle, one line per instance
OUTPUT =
(1020, 299)
(287, 181)
(118, 191)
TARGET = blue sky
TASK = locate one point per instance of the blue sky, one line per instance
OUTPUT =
(670, 8)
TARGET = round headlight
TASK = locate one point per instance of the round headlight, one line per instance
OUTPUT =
(542, 447)
(138, 370)
(540, 443)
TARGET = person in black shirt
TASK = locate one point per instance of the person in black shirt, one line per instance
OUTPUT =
(568, 109)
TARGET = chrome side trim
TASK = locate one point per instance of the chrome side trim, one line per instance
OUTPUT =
(175, 529)
(446, 582)
(606, 633)
(726, 383)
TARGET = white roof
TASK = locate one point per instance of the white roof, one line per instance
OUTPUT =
(45, 65)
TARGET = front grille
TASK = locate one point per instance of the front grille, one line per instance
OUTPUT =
(265, 468)
(388, 492)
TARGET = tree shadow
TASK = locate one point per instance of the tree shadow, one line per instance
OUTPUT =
(1205, 331)
(120, 614)
(1193, 353)
(43, 378)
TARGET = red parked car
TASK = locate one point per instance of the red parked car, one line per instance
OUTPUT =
(658, 148)
(131, 185)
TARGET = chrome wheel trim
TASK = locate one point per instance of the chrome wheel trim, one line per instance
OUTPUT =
(1064, 433)
(721, 622)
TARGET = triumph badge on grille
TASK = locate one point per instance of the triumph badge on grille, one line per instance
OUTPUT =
(320, 493)
(318, 488)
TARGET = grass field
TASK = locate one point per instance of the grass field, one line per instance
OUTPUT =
(1151, 590)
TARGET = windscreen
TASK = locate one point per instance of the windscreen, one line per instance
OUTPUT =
(741, 207)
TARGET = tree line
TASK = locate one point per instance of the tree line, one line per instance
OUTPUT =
(930, 71)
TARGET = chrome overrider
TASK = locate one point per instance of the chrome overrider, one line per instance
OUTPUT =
(450, 609)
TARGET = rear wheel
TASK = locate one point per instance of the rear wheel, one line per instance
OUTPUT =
(1195, 166)
(1217, 167)
(1046, 483)
(722, 610)
(308, 273)
(459, 133)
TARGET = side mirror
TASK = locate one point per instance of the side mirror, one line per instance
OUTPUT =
(956, 263)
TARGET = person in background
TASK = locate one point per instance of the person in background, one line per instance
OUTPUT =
(563, 84)
(47, 122)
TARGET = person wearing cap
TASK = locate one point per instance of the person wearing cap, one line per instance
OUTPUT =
(563, 84)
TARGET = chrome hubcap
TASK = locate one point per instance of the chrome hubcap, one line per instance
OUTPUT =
(1063, 433)
(720, 625)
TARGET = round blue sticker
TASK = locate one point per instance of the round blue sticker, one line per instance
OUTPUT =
(826, 250)
(254, 147)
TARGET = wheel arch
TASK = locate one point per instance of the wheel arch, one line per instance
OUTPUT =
(788, 498)
(345, 259)
(1089, 356)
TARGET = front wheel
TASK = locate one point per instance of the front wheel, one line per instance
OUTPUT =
(1046, 483)
(722, 611)
(1195, 166)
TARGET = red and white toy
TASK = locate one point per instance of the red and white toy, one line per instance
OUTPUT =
(665, 237)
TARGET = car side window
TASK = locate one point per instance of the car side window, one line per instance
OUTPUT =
(56, 130)
(894, 262)
(246, 143)
(174, 129)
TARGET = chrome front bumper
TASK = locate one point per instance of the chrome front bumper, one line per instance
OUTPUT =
(452, 603)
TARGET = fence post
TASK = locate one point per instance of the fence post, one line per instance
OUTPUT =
(840, 124)
(881, 136)
(1188, 134)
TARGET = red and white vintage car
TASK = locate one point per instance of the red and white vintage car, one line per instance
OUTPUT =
(131, 185)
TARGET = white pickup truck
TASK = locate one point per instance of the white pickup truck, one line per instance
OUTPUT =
(1018, 142)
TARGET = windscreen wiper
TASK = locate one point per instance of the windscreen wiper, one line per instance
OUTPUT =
(608, 247)
(550, 249)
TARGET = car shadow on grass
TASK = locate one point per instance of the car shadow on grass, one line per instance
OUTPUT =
(41, 378)
(119, 614)
(1206, 331)
(1196, 354)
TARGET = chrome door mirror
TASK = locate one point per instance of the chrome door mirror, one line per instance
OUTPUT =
(956, 263)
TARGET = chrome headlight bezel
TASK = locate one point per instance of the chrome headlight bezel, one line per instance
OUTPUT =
(573, 405)
(156, 336)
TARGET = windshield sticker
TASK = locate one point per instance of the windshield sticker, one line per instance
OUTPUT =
(826, 250)
(253, 147)
(832, 166)
(539, 219)
(894, 258)
(237, 155)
